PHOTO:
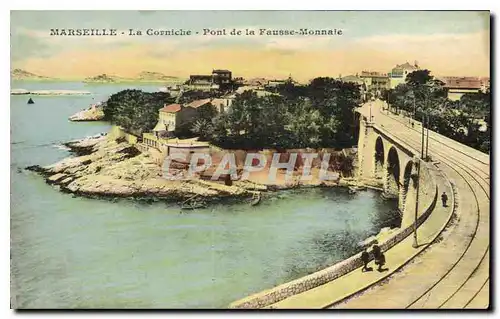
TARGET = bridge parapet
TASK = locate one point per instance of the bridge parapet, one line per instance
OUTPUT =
(428, 198)
(281, 292)
(389, 162)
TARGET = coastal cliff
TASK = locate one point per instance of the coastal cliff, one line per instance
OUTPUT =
(106, 167)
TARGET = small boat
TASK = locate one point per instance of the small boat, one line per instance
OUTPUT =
(255, 199)
(355, 189)
(30, 101)
(193, 205)
(386, 195)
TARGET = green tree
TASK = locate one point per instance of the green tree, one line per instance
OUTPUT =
(202, 128)
(319, 114)
(476, 105)
(336, 101)
(459, 120)
(304, 125)
(134, 110)
(419, 77)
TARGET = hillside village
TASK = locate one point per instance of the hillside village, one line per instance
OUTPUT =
(217, 113)
(219, 89)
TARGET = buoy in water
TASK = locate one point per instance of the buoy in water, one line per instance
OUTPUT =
(30, 101)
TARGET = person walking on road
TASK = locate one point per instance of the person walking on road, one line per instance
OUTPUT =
(444, 199)
(381, 262)
(378, 256)
(376, 252)
(365, 257)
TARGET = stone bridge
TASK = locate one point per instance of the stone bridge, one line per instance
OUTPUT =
(386, 162)
(445, 264)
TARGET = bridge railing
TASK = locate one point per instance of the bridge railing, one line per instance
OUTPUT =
(324, 276)
(281, 292)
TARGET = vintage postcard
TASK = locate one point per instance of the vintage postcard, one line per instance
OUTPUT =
(250, 159)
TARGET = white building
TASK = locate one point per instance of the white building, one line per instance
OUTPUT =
(399, 72)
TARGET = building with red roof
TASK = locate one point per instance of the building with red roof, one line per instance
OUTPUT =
(171, 108)
(172, 116)
(457, 86)
(198, 103)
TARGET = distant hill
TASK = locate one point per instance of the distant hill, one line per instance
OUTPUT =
(144, 76)
(155, 76)
(20, 74)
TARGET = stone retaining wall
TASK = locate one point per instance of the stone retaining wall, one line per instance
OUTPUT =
(268, 297)
(118, 132)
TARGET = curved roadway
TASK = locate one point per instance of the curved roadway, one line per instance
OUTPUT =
(453, 273)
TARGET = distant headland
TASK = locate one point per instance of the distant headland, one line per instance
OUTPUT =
(20, 74)
(144, 76)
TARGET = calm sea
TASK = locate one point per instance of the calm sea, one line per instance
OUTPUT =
(70, 252)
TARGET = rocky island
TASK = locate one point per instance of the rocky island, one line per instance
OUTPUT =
(103, 78)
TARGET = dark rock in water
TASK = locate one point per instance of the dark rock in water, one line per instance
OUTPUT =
(35, 168)
(130, 151)
(30, 101)
(79, 150)
(38, 169)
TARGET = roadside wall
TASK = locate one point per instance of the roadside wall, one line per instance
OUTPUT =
(118, 132)
(316, 279)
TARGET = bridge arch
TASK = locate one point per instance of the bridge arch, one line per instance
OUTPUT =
(408, 194)
(379, 157)
(408, 184)
(393, 172)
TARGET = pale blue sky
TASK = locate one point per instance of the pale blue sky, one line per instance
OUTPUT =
(30, 29)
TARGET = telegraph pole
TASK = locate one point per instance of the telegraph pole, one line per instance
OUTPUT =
(427, 141)
(415, 241)
(414, 108)
(388, 102)
(370, 111)
(423, 135)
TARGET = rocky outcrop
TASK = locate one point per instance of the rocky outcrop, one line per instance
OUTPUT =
(107, 167)
(93, 113)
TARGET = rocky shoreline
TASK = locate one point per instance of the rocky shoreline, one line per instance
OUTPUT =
(93, 113)
(103, 167)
